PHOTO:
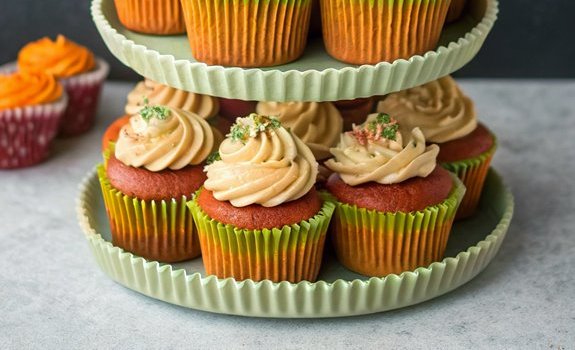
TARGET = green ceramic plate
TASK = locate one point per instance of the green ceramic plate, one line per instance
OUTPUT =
(339, 292)
(168, 59)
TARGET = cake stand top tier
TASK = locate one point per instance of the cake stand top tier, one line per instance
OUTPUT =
(314, 77)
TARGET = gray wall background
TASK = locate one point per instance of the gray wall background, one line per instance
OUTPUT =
(531, 39)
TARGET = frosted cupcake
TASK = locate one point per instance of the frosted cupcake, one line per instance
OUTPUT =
(447, 117)
(153, 170)
(394, 206)
(31, 106)
(259, 215)
(81, 74)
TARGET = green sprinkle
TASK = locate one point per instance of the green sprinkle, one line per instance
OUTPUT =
(158, 112)
(213, 157)
(243, 129)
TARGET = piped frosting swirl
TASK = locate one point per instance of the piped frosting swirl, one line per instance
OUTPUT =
(158, 94)
(374, 152)
(163, 138)
(261, 163)
(27, 89)
(318, 124)
(439, 109)
(61, 58)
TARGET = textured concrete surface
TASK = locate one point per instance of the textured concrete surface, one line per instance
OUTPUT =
(53, 296)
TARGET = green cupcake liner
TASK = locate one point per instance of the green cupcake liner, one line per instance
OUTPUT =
(290, 253)
(472, 172)
(375, 243)
(156, 230)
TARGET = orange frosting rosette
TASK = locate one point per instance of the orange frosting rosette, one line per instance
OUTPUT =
(28, 88)
(62, 57)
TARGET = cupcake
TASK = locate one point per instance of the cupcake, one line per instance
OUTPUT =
(79, 72)
(318, 124)
(354, 111)
(447, 117)
(150, 173)
(368, 32)
(258, 215)
(455, 10)
(160, 17)
(31, 106)
(394, 206)
(231, 108)
(247, 33)
(148, 92)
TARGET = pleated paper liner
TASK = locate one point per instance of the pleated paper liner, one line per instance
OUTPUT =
(375, 243)
(455, 10)
(26, 133)
(84, 93)
(371, 31)
(160, 17)
(472, 172)
(247, 33)
(157, 230)
(291, 253)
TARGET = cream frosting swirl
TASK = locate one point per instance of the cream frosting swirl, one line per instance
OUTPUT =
(157, 94)
(439, 109)
(318, 124)
(270, 167)
(178, 139)
(380, 159)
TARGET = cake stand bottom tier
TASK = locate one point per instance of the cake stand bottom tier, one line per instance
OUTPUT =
(338, 292)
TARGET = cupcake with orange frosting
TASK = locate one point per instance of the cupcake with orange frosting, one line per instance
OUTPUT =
(159, 17)
(77, 69)
(150, 173)
(148, 92)
(31, 106)
(448, 118)
(394, 206)
(258, 214)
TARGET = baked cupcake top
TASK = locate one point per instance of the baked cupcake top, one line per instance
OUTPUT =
(27, 89)
(316, 124)
(161, 137)
(374, 151)
(261, 162)
(62, 57)
(150, 92)
(439, 109)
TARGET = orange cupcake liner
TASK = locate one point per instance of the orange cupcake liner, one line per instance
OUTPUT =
(291, 253)
(247, 33)
(161, 17)
(473, 173)
(155, 230)
(376, 244)
(455, 10)
(372, 31)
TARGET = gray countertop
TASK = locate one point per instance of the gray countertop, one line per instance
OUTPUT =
(53, 295)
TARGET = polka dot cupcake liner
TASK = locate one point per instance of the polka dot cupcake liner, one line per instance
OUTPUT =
(84, 93)
(26, 133)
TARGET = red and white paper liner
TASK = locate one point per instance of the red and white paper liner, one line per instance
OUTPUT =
(84, 93)
(26, 133)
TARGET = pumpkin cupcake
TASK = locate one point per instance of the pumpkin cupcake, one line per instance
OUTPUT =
(455, 10)
(258, 214)
(31, 106)
(394, 206)
(148, 92)
(80, 73)
(372, 31)
(160, 17)
(447, 117)
(247, 33)
(154, 168)
(354, 111)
